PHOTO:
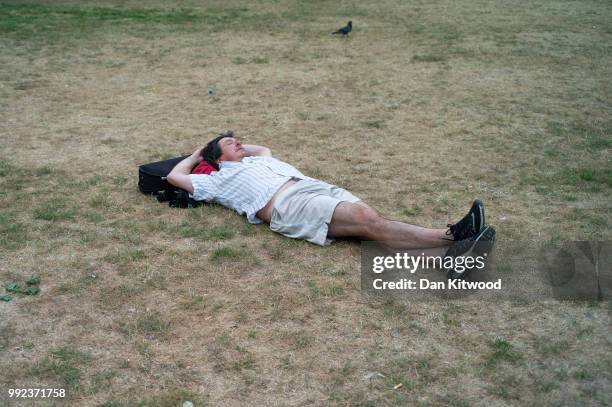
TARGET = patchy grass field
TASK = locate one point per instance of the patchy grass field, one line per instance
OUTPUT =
(426, 106)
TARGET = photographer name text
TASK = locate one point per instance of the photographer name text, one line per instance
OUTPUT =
(425, 284)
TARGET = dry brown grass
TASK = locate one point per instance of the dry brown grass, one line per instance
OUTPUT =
(425, 107)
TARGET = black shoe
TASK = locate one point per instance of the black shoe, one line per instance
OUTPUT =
(478, 245)
(472, 224)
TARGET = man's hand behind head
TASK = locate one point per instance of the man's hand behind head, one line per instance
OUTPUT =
(197, 156)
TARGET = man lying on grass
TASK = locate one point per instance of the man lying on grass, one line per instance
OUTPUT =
(252, 182)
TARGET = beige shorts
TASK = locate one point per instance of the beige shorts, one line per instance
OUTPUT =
(305, 209)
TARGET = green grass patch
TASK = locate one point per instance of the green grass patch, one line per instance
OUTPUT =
(152, 324)
(593, 135)
(54, 22)
(502, 350)
(5, 168)
(586, 177)
(374, 124)
(55, 211)
(200, 231)
(225, 252)
(102, 380)
(584, 374)
(239, 60)
(13, 234)
(255, 60)
(64, 364)
(260, 60)
(44, 24)
(16, 177)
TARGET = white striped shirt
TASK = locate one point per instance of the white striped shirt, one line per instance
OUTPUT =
(245, 186)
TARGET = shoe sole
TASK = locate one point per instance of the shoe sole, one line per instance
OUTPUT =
(486, 241)
(468, 244)
(481, 245)
(481, 213)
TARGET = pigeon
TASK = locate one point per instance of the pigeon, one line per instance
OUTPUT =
(210, 92)
(345, 30)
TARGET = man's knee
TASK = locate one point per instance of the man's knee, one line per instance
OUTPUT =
(355, 219)
(367, 217)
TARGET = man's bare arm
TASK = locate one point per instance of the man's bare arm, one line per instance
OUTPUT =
(179, 176)
(253, 150)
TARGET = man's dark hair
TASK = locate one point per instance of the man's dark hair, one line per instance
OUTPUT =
(212, 151)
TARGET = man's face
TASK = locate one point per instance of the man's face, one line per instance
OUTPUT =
(231, 148)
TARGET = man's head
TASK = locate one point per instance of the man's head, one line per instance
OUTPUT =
(224, 147)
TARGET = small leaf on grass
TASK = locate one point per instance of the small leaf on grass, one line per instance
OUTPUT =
(31, 291)
(5, 297)
(13, 288)
(33, 280)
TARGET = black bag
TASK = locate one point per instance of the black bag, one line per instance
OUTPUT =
(152, 181)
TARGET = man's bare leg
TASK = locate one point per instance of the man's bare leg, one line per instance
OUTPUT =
(361, 221)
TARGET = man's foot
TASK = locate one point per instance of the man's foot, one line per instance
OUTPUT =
(478, 245)
(472, 224)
